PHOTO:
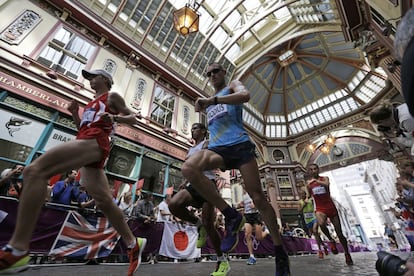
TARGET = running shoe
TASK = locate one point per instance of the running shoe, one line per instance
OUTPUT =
(233, 227)
(10, 264)
(334, 250)
(320, 254)
(348, 259)
(251, 261)
(222, 268)
(202, 236)
(282, 267)
(135, 254)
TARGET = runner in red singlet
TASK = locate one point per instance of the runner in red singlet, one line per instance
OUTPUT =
(88, 152)
(318, 187)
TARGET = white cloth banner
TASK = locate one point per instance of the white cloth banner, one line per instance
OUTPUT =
(179, 241)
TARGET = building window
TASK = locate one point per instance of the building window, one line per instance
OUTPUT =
(285, 186)
(153, 172)
(123, 162)
(163, 106)
(67, 53)
(21, 27)
(175, 178)
(139, 92)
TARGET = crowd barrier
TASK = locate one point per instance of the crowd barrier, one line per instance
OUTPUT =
(53, 216)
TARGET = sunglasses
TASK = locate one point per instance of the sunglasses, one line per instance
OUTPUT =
(214, 71)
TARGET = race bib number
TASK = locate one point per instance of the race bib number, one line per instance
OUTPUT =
(308, 215)
(320, 190)
(88, 116)
(216, 112)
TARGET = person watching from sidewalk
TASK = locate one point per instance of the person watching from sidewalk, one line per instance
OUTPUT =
(66, 191)
(11, 182)
(144, 209)
(163, 212)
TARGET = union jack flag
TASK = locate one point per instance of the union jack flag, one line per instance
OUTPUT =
(87, 238)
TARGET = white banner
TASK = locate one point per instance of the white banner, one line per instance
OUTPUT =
(179, 241)
(19, 129)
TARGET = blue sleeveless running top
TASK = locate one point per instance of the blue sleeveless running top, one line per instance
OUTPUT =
(225, 123)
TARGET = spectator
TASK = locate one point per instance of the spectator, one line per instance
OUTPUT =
(114, 196)
(84, 199)
(66, 191)
(405, 219)
(389, 232)
(11, 182)
(126, 203)
(406, 182)
(395, 122)
(164, 213)
(393, 116)
(144, 209)
(286, 231)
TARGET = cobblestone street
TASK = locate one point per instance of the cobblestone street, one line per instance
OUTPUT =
(301, 265)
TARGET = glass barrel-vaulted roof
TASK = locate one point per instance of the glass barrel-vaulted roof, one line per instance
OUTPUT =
(306, 82)
(290, 54)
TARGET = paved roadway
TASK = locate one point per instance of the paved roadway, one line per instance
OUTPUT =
(300, 265)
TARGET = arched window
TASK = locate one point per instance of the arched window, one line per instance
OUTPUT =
(162, 110)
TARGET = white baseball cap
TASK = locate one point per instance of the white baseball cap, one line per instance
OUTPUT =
(90, 74)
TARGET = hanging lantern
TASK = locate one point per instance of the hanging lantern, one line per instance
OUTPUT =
(186, 20)
(311, 148)
(330, 140)
(325, 149)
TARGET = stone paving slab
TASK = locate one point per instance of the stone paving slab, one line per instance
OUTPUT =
(300, 265)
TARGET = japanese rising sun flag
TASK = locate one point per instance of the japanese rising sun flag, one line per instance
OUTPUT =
(179, 241)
